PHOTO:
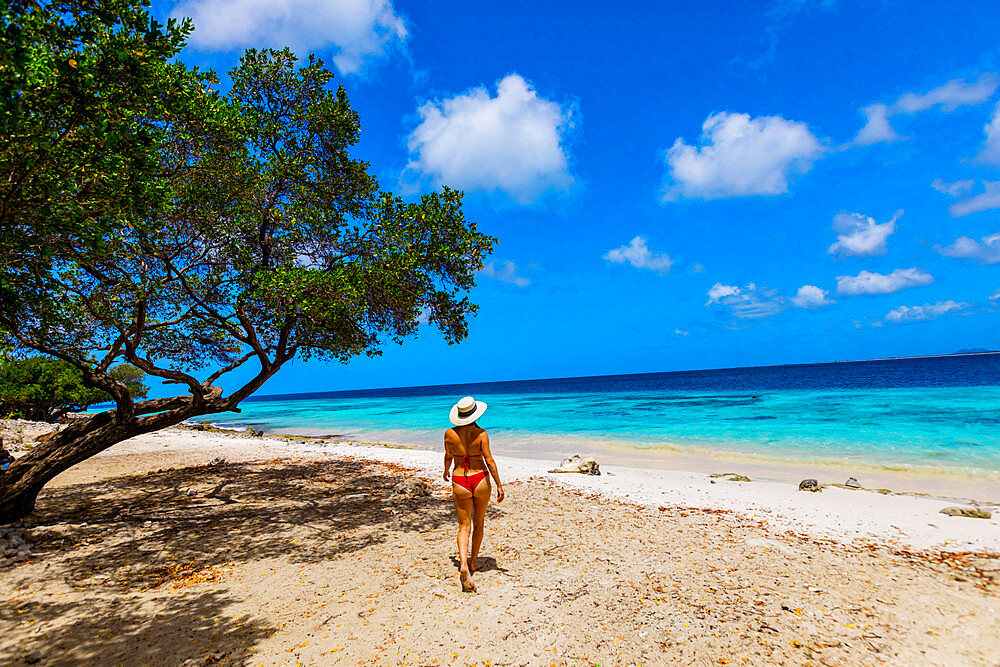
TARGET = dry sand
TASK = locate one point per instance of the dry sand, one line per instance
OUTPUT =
(305, 553)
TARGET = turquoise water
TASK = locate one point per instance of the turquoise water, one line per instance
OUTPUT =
(929, 415)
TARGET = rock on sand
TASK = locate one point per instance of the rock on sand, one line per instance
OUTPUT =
(971, 512)
(575, 463)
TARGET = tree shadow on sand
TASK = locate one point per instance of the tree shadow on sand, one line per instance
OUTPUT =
(181, 628)
(213, 515)
(169, 529)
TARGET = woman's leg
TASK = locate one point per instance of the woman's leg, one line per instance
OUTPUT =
(463, 510)
(481, 500)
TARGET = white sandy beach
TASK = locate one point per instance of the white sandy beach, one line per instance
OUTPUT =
(843, 514)
(303, 552)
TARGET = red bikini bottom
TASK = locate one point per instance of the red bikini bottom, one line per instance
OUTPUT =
(469, 482)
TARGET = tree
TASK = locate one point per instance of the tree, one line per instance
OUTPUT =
(44, 389)
(274, 246)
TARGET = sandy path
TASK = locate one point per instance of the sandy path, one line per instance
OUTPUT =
(312, 560)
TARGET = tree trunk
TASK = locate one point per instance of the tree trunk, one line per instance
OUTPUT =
(21, 483)
(17, 502)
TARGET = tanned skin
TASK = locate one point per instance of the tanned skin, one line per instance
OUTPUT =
(470, 508)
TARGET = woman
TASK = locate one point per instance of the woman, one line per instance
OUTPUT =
(469, 447)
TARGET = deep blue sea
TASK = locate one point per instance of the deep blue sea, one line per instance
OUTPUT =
(920, 414)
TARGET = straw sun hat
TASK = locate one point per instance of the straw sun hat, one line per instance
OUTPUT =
(466, 411)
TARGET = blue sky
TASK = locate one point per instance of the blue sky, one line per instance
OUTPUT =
(674, 185)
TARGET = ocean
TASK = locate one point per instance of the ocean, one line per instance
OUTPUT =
(924, 415)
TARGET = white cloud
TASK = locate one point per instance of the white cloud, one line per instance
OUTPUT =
(948, 97)
(860, 236)
(928, 311)
(956, 93)
(991, 147)
(357, 29)
(505, 272)
(867, 282)
(512, 142)
(987, 200)
(740, 156)
(995, 295)
(638, 255)
(956, 189)
(985, 251)
(718, 291)
(747, 302)
(680, 332)
(877, 128)
(751, 302)
(810, 296)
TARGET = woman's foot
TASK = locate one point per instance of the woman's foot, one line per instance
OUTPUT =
(468, 585)
(473, 564)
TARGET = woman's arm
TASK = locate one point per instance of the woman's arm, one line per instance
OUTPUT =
(492, 465)
(447, 459)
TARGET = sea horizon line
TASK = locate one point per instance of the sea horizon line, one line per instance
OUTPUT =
(260, 397)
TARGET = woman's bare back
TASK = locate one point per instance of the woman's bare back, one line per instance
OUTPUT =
(466, 442)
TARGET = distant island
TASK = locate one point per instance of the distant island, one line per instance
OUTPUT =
(960, 353)
(971, 352)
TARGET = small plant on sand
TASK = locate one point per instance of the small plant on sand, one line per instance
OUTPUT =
(251, 237)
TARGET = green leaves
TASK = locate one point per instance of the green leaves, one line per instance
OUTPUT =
(88, 93)
(42, 389)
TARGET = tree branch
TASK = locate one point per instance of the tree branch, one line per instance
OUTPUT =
(233, 366)
(222, 321)
(146, 364)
